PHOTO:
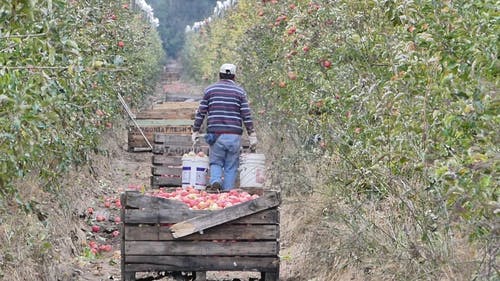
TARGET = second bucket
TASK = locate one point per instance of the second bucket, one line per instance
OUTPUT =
(252, 170)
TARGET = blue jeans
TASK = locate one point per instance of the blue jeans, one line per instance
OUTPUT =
(224, 159)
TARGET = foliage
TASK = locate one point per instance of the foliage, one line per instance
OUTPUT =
(402, 93)
(61, 68)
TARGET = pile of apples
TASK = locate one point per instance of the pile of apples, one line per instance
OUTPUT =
(201, 200)
(96, 248)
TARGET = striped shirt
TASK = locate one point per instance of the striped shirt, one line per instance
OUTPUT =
(226, 108)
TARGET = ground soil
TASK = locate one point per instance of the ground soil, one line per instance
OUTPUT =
(118, 170)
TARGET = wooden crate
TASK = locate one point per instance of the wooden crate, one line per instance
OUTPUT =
(154, 126)
(163, 235)
(166, 170)
(165, 118)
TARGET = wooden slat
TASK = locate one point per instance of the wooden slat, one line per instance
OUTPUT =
(163, 122)
(156, 216)
(200, 263)
(161, 170)
(221, 232)
(167, 139)
(175, 215)
(175, 139)
(175, 105)
(271, 276)
(166, 160)
(164, 114)
(201, 248)
(179, 150)
(159, 181)
(266, 201)
(151, 130)
(123, 267)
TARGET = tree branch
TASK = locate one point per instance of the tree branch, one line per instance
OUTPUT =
(24, 36)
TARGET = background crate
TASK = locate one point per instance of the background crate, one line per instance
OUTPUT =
(166, 169)
(150, 127)
(175, 144)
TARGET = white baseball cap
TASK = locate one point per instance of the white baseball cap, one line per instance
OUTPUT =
(228, 68)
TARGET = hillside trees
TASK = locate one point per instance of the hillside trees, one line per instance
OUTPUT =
(61, 67)
(389, 108)
(174, 15)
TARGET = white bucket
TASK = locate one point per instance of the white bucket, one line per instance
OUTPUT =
(194, 171)
(252, 170)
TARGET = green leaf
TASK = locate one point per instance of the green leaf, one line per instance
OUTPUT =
(52, 55)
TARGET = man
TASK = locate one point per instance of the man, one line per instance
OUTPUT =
(226, 108)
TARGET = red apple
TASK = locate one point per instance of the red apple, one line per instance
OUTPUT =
(292, 75)
(105, 248)
(96, 228)
(121, 44)
(202, 205)
(99, 112)
(327, 64)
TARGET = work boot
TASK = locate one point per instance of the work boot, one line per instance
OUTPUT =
(215, 187)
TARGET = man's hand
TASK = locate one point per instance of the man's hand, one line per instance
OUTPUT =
(253, 141)
(195, 137)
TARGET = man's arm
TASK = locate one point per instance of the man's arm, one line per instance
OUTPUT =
(246, 115)
(201, 112)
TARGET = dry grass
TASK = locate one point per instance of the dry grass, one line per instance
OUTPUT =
(337, 245)
(38, 244)
(42, 238)
(332, 232)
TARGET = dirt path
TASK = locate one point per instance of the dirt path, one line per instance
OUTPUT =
(121, 170)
